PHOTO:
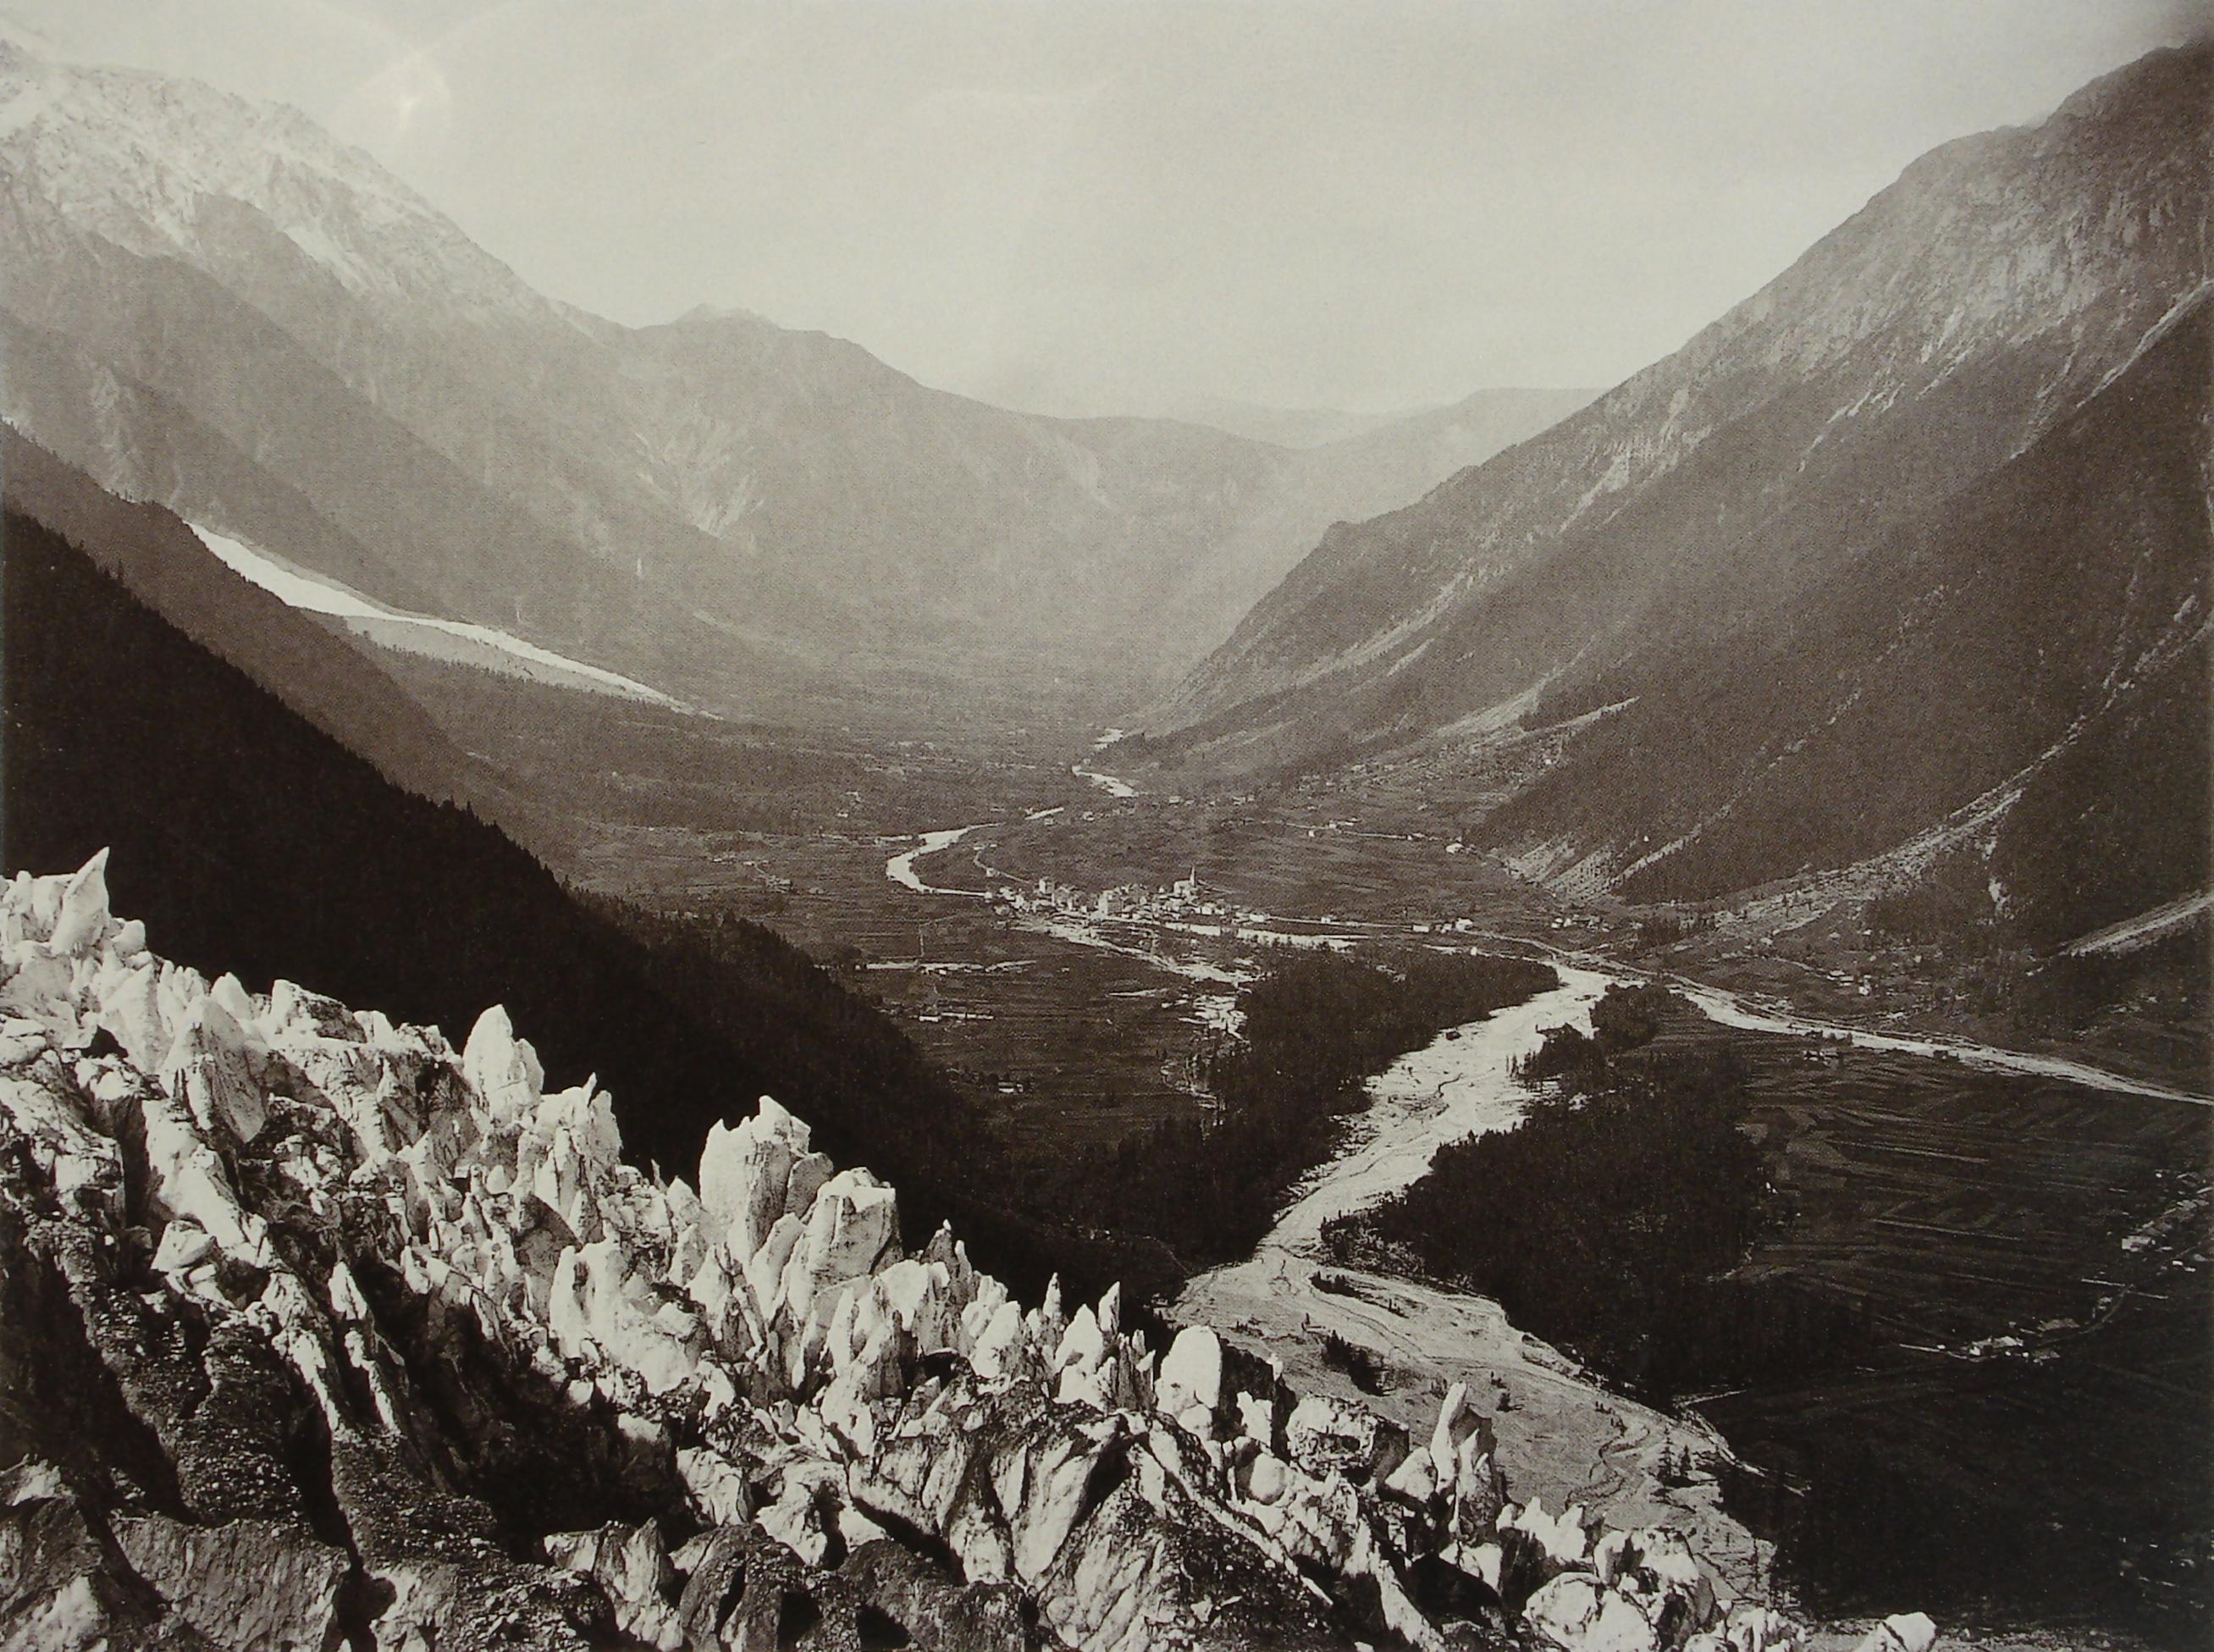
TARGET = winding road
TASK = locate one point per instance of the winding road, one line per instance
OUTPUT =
(1731, 1011)
(1725, 1008)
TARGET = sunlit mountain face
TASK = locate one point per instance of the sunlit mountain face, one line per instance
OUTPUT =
(1858, 555)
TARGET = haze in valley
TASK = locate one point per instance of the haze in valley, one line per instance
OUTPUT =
(1152, 208)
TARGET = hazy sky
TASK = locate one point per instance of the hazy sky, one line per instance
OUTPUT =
(1087, 206)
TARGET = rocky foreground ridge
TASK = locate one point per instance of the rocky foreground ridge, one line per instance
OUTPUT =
(315, 1332)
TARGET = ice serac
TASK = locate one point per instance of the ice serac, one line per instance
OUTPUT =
(386, 1346)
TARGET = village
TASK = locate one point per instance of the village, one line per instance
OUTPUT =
(1188, 906)
(1183, 900)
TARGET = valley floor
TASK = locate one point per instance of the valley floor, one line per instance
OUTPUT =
(2001, 1272)
(2043, 1165)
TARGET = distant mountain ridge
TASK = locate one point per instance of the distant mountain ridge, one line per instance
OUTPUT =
(1287, 427)
(1353, 477)
(215, 305)
(1788, 481)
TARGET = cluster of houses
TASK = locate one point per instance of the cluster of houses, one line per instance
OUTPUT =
(1183, 899)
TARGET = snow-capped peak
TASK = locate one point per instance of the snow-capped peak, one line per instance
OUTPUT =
(140, 158)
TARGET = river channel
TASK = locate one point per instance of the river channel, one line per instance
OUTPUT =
(1565, 1436)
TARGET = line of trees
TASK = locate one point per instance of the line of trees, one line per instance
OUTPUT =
(1616, 1220)
(1316, 1025)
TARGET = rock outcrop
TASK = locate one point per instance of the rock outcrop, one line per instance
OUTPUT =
(321, 1332)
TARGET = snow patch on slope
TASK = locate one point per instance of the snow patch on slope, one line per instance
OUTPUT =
(2141, 931)
(417, 633)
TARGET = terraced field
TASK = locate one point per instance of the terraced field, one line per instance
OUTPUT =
(2034, 1258)
(1070, 1046)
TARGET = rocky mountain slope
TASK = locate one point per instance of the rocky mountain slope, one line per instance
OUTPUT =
(214, 305)
(122, 731)
(1351, 479)
(324, 1331)
(2037, 703)
(1721, 552)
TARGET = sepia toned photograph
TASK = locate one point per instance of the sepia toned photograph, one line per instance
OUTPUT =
(1106, 826)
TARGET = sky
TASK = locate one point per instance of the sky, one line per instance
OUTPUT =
(1115, 205)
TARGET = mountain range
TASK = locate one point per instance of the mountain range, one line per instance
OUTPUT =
(1290, 427)
(214, 305)
(1902, 545)
(1890, 560)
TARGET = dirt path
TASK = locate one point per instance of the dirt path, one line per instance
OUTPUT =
(1730, 1011)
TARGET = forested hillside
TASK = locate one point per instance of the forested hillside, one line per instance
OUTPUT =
(252, 842)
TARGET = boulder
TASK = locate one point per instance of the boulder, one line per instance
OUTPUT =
(1262, 1479)
(804, 1516)
(129, 1009)
(501, 1068)
(1458, 1419)
(1325, 1436)
(295, 1013)
(628, 1565)
(765, 1268)
(246, 1586)
(1083, 1345)
(1257, 1417)
(1319, 1520)
(1754, 1628)
(715, 1486)
(57, 1591)
(1577, 1614)
(1680, 1596)
(210, 1070)
(1000, 1342)
(600, 1309)
(1908, 1632)
(809, 1171)
(81, 917)
(1564, 1539)
(187, 1177)
(743, 1176)
(66, 1142)
(854, 1222)
(1043, 1482)
(1479, 1491)
(185, 1244)
(1414, 1481)
(939, 1613)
